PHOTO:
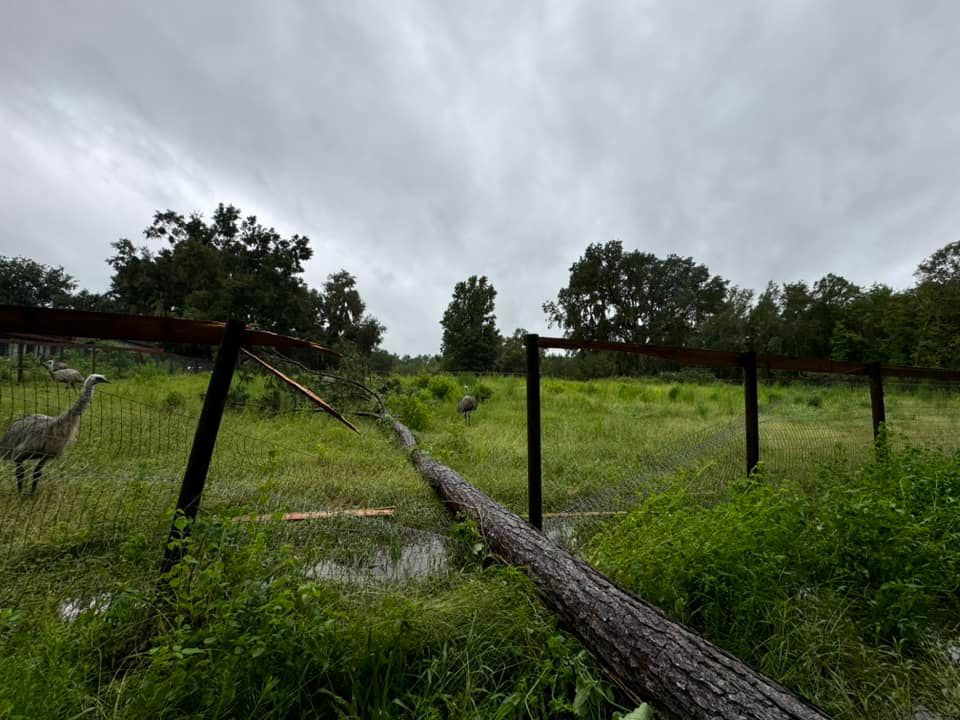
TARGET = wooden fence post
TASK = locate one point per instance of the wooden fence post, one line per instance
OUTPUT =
(748, 361)
(195, 476)
(534, 477)
(876, 397)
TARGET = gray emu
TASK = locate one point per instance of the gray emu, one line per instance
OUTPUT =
(42, 438)
(67, 376)
(467, 404)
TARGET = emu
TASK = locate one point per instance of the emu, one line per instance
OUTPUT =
(67, 376)
(467, 404)
(42, 437)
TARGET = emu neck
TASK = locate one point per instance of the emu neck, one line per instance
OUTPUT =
(74, 412)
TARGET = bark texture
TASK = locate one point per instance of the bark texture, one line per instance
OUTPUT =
(664, 662)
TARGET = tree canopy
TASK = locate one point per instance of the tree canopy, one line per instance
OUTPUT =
(636, 297)
(26, 282)
(470, 336)
(235, 267)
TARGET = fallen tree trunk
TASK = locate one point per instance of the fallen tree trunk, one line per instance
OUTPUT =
(654, 658)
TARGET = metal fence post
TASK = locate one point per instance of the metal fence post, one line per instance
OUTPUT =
(534, 478)
(748, 362)
(876, 397)
(205, 438)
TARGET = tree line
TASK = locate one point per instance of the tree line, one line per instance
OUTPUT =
(232, 266)
(636, 297)
(229, 267)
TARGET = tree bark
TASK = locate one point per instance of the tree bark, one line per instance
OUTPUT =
(654, 658)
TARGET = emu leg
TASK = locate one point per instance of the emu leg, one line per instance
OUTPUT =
(20, 474)
(37, 471)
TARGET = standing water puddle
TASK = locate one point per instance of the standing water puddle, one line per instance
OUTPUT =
(410, 561)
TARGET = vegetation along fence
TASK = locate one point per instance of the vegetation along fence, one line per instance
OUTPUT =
(117, 474)
(858, 387)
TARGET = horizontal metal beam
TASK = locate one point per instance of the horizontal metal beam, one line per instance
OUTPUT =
(723, 359)
(117, 326)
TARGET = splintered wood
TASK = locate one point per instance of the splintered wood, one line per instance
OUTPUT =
(317, 515)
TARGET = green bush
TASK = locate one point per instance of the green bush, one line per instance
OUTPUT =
(868, 567)
(412, 410)
(482, 392)
(444, 387)
(174, 401)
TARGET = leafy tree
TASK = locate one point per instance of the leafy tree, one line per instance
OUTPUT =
(26, 282)
(937, 297)
(235, 267)
(341, 314)
(729, 327)
(636, 297)
(878, 325)
(512, 355)
(229, 267)
(470, 336)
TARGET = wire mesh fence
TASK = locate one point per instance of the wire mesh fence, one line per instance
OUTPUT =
(657, 430)
(349, 506)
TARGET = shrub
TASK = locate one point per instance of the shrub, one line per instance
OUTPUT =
(482, 392)
(413, 410)
(443, 387)
(872, 561)
(174, 401)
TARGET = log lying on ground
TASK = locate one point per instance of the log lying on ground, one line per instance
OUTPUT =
(652, 657)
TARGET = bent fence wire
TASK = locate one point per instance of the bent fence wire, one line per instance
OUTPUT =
(806, 422)
(121, 477)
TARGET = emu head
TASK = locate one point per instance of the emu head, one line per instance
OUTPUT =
(94, 379)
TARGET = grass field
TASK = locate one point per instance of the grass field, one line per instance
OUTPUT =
(404, 600)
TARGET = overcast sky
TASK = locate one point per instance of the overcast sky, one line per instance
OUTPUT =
(418, 143)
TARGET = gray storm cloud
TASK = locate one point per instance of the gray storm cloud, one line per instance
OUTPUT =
(418, 143)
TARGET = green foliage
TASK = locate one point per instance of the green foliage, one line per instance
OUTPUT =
(25, 282)
(874, 555)
(234, 267)
(174, 400)
(444, 387)
(635, 297)
(240, 633)
(470, 337)
(413, 410)
(481, 391)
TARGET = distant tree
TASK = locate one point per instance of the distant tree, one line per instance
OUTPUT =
(878, 325)
(341, 314)
(97, 302)
(729, 327)
(26, 282)
(470, 336)
(234, 267)
(229, 267)
(937, 302)
(636, 297)
(512, 354)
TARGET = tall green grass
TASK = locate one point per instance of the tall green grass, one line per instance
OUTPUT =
(848, 592)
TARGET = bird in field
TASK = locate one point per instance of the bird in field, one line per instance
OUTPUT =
(42, 437)
(66, 375)
(467, 404)
(57, 365)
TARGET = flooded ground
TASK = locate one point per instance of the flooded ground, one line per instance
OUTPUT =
(423, 557)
